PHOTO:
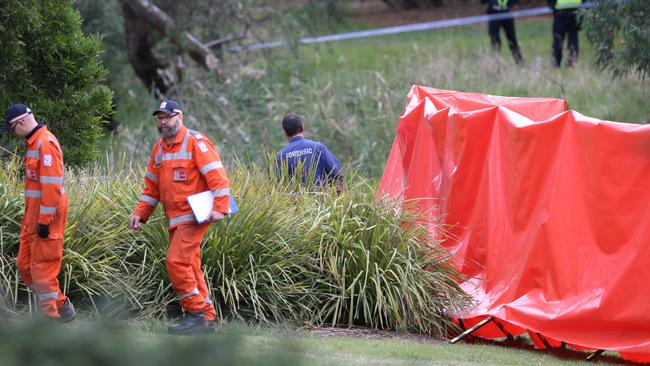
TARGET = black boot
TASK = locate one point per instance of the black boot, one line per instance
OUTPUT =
(191, 323)
(67, 312)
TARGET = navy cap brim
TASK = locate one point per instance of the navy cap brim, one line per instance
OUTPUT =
(163, 110)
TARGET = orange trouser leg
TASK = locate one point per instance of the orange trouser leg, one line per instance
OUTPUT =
(24, 259)
(45, 265)
(184, 249)
(209, 311)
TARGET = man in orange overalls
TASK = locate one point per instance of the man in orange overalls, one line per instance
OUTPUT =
(184, 162)
(46, 206)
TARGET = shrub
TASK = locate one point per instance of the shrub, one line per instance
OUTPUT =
(51, 66)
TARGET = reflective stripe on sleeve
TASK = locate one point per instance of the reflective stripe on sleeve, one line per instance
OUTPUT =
(152, 176)
(210, 167)
(221, 192)
(148, 199)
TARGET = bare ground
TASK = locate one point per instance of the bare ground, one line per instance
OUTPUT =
(366, 333)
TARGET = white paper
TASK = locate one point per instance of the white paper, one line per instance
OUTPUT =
(201, 204)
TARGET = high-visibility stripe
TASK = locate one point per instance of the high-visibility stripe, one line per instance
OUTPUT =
(152, 176)
(178, 219)
(48, 295)
(186, 139)
(32, 154)
(208, 301)
(191, 293)
(210, 167)
(33, 193)
(181, 155)
(158, 157)
(52, 180)
(148, 199)
(221, 192)
(567, 4)
(177, 156)
(47, 210)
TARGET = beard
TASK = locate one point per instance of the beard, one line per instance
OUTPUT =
(168, 131)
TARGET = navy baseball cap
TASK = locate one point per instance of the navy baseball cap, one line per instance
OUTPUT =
(168, 107)
(15, 112)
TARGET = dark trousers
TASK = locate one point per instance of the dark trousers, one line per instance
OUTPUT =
(508, 26)
(565, 22)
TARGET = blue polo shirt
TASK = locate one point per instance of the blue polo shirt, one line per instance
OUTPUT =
(309, 152)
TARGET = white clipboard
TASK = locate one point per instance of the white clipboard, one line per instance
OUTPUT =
(201, 204)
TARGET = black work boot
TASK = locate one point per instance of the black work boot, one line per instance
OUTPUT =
(191, 323)
(67, 312)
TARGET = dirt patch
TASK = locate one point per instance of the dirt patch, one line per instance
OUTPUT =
(367, 333)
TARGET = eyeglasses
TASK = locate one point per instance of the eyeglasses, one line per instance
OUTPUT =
(160, 117)
(14, 125)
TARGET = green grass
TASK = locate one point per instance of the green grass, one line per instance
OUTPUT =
(352, 92)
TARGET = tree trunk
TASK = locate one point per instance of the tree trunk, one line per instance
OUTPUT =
(143, 19)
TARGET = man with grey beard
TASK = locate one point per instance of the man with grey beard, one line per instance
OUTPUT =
(183, 163)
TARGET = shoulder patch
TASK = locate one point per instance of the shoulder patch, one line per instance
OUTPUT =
(47, 160)
(203, 147)
(197, 135)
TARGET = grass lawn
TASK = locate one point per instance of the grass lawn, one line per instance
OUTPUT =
(327, 346)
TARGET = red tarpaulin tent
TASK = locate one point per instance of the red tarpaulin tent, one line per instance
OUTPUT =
(547, 212)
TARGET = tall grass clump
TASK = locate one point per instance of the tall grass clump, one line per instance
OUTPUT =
(374, 268)
(102, 263)
(256, 266)
(11, 207)
(293, 253)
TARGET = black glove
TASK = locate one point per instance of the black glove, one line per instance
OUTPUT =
(43, 230)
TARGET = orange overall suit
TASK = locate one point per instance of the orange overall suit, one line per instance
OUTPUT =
(46, 203)
(189, 165)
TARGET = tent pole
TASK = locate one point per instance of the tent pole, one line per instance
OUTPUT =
(593, 356)
(472, 329)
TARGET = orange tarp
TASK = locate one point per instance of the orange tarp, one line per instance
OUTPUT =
(547, 212)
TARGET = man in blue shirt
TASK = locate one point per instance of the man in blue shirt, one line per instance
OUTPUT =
(304, 152)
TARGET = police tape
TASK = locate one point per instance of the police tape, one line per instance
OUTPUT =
(416, 27)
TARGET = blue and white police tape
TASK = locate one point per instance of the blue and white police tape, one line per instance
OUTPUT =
(416, 27)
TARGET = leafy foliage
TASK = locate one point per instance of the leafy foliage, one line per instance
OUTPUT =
(620, 34)
(51, 66)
